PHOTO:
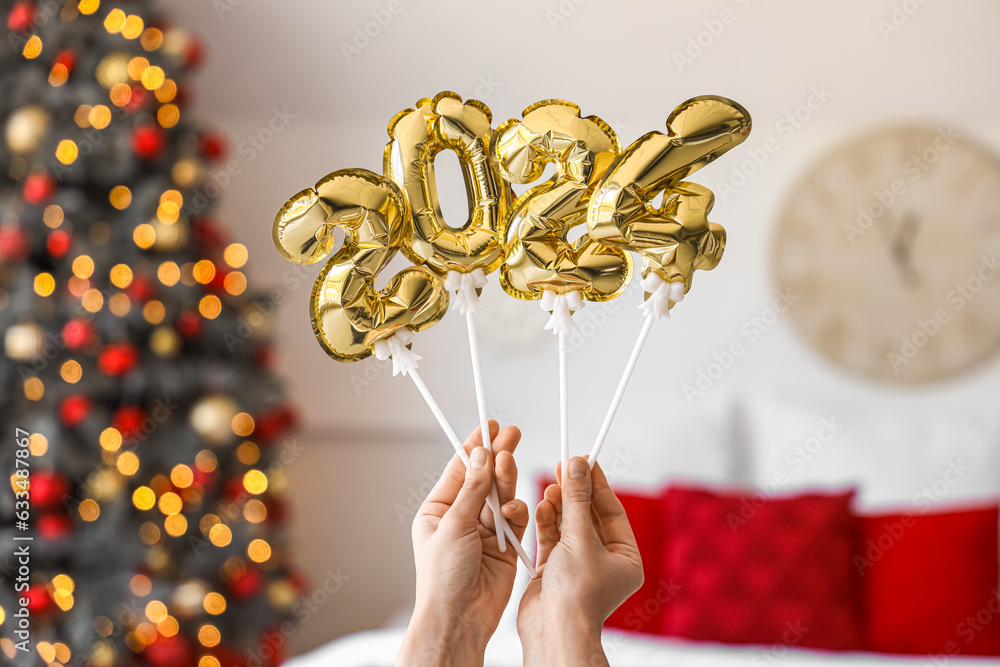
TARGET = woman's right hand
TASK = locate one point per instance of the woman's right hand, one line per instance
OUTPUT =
(587, 569)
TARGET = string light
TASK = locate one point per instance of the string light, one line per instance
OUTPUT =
(210, 307)
(242, 424)
(121, 94)
(143, 498)
(136, 67)
(255, 482)
(259, 551)
(67, 151)
(38, 444)
(181, 476)
(71, 371)
(111, 439)
(120, 197)
(114, 21)
(154, 312)
(45, 284)
(53, 216)
(99, 116)
(33, 48)
(175, 525)
(151, 39)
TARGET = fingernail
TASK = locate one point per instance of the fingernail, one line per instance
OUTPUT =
(577, 469)
(478, 458)
(510, 507)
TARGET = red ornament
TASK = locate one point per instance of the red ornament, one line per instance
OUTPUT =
(139, 95)
(38, 187)
(141, 289)
(189, 324)
(74, 409)
(21, 17)
(46, 489)
(13, 243)
(195, 52)
(218, 282)
(246, 585)
(58, 243)
(54, 526)
(149, 142)
(117, 359)
(128, 420)
(209, 233)
(39, 601)
(168, 652)
(276, 511)
(234, 489)
(264, 356)
(213, 146)
(66, 58)
(77, 333)
(273, 423)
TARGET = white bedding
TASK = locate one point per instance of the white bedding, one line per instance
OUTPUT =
(378, 648)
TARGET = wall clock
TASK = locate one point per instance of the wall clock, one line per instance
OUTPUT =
(891, 245)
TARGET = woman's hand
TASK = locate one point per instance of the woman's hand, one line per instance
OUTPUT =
(463, 581)
(587, 569)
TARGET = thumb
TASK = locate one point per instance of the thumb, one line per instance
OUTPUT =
(576, 492)
(478, 480)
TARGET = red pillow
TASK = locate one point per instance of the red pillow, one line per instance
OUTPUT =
(643, 612)
(753, 570)
(931, 582)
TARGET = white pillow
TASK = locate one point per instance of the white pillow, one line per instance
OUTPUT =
(918, 456)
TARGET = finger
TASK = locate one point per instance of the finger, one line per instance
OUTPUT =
(553, 494)
(547, 529)
(472, 496)
(475, 438)
(505, 439)
(615, 527)
(516, 513)
(453, 477)
(506, 471)
(576, 493)
(506, 476)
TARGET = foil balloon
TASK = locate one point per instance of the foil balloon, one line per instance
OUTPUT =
(349, 316)
(416, 137)
(676, 238)
(539, 257)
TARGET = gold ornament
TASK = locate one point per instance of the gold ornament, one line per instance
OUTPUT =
(538, 255)
(416, 137)
(26, 129)
(24, 342)
(677, 238)
(212, 418)
(348, 314)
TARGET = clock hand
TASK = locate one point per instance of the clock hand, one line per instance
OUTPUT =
(902, 246)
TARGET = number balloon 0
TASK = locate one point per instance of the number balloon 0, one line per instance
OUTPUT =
(416, 137)
(348, 314)
(538, 255)
(677, 238)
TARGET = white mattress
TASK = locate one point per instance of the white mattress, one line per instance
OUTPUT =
(378, 648)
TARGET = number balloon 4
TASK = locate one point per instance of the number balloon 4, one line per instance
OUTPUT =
(676, 238)
(462, 256)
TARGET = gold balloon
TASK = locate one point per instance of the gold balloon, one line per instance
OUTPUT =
(348, 313)
(677, 238)
(416, 137)
(538, 255)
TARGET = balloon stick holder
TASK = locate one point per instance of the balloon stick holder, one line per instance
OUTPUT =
(656, 307)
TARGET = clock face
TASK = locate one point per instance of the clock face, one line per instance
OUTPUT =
(891, 247)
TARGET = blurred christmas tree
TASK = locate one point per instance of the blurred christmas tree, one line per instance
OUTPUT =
(134, 358)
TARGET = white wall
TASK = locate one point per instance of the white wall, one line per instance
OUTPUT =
(615, 60)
